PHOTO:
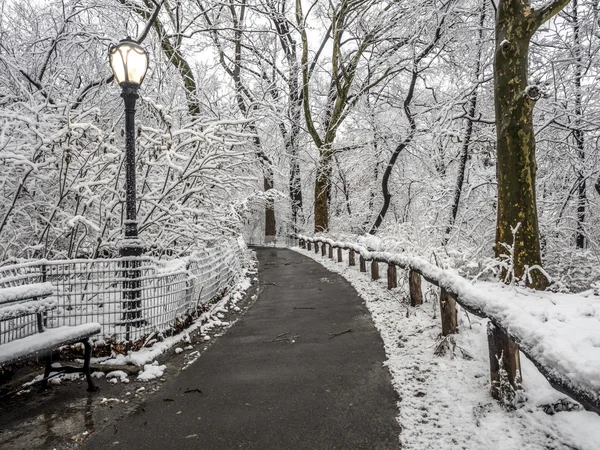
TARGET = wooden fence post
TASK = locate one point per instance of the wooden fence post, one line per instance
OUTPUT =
(414, 285)
(363, 264)
(317, 247)
(330, 251)
(503, 349)
(351, 258)
(308, 245)
(340, 254)
(374, 270)
(392, 276)
(323, 248)
(448, 313)
(302, 243)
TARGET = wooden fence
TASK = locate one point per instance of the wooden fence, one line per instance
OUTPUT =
(500, 340)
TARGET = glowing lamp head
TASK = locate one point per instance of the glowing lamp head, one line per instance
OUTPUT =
(129, 62)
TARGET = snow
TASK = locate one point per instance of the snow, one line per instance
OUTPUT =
(445, 402)
(16, 293)
(15, 310)
(49, 339)
(151, 371)
(559, 331)
(117, 375)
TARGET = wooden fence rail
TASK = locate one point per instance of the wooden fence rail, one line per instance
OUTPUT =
(499, 337)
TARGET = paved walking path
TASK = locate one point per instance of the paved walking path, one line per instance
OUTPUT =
(310, 391)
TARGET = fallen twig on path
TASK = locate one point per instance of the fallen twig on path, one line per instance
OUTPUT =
(283, 337)
(349, 330)
(192, 390)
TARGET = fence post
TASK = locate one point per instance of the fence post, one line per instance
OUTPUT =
(448, 313)
(363, 264)
(330, 251)
(392, 276)
(414, 284)
(317, 247)
(351, 258)
(504, 356)
(374, 270)
(302, 243)
(323, 248)
(339, 254)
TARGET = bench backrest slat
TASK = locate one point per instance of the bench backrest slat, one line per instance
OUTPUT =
(26, 292)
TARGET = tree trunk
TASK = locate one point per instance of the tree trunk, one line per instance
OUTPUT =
(516, 166)
(323, 190)
(464, 154)
(578, 132)
(270, 224)
(514, 100)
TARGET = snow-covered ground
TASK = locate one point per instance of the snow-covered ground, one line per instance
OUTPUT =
(445, 400)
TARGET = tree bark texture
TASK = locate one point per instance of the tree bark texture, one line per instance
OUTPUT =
(270, 224)
(514, 101)
(578, 133)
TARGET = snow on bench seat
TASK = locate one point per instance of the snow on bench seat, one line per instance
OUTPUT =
(51, 338)
(15, 310)
(17, 293)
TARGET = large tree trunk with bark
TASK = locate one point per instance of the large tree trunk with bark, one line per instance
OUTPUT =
(323, 189)
(514, 101)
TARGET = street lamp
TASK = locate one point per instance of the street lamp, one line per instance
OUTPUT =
(129, 63)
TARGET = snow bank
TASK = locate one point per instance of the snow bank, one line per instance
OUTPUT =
(445, 401)
(151, 371)
(560, 332)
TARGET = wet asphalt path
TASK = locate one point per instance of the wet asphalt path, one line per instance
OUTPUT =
(277, 379)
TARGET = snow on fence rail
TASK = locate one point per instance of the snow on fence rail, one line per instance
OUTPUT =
(559, 333)
(95, 290)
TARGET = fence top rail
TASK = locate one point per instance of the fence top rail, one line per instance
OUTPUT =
(195, 255)
(559, 333)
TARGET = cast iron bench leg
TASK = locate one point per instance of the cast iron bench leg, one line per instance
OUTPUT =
(86, 365)
(47, 370)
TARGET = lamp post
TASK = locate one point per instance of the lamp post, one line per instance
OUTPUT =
(129, 63)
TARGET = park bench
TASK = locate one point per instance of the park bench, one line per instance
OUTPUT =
(25, 337)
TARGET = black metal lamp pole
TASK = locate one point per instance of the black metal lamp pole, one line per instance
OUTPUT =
(130, 95)
(129, 62)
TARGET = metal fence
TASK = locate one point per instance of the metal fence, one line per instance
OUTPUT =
(129, 297)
